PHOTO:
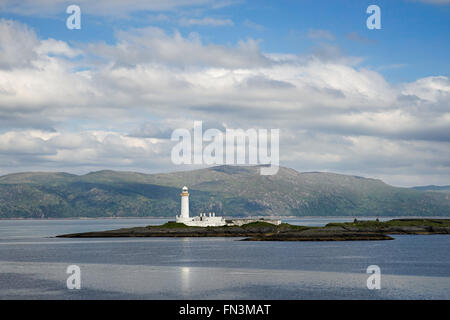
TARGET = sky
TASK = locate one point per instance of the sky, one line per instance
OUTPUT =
(347, 99)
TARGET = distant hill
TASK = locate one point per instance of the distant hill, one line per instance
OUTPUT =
(434, 188)
(227, 190)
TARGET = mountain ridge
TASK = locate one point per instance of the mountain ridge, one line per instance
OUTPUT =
(227, 190)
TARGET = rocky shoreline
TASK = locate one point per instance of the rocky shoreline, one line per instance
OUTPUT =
(261, 231)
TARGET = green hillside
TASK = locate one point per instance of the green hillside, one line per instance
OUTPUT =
(445, 189)
(227, 190)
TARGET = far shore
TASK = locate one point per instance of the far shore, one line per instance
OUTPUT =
(84, 218)
(247, 217)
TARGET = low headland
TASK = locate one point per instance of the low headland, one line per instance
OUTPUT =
(263, 231)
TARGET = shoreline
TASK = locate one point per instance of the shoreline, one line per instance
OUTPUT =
(240, 217)
(263, 231)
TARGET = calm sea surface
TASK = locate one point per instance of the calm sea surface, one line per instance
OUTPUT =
(33, 265)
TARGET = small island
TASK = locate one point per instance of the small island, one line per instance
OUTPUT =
(264, 231)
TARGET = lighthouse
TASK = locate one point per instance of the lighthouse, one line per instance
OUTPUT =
(211, 220)
(198, 221)
(184, 204)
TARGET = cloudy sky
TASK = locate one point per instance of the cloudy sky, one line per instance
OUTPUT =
(374, 103)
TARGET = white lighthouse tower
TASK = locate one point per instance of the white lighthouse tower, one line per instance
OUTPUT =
(184, 204)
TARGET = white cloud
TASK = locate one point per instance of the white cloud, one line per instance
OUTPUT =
(153, 45)
(102, 7)
(354, 36)
(320, 34)
(207, 21)
(92, 149)
(333, 114)
(253, 25)
(55, 47)
(17, 44)
(431, 89)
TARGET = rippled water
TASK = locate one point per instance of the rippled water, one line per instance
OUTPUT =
(33, 265)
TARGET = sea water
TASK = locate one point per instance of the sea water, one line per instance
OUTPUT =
(33, 265)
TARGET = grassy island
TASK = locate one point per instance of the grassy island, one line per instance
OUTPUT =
(262, 231)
